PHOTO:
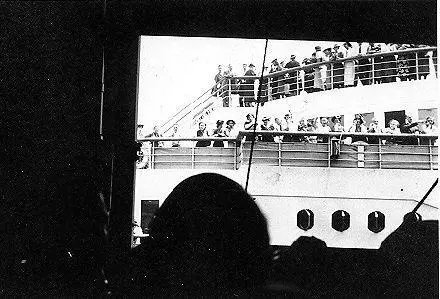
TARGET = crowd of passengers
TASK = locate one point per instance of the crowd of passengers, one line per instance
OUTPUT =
(366, 70)
(313, 125)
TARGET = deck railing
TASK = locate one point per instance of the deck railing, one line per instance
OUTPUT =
(378, 68)
(381, 151)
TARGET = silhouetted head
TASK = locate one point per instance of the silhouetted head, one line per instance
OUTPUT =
(214, 237)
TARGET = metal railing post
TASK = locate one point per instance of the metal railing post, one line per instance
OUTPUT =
(430, 155)
(152, 156)
(380, 153)
(192, 157)
(329, 151)
(229, 92)
(279, 154)
(372, 70)
(361, 156)
(235, 155)
(331, 76)
(417, 65)
(297, 82)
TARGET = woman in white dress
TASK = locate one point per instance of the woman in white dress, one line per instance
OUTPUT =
(318, 56)
(349, 65)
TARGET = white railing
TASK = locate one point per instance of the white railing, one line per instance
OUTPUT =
(312, 149)
(378, 68)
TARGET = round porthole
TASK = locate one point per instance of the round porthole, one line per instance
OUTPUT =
(376, 221)
(305, 219)
(340, 220)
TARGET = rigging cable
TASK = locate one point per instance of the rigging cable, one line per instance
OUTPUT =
(256, 116)
(424, 197)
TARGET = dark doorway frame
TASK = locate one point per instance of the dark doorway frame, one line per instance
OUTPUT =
(369, 21)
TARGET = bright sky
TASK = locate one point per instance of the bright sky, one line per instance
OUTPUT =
(176, 70)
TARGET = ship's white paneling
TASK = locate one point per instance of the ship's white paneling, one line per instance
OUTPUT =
(281, 214)
(282, 191)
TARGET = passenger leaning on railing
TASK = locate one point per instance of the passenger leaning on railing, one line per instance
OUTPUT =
(410, 128)
(293, 76)
(267, 126)
(429, 126)
(349, 65)
(230, 130)
(250, 122)
(318, 56)
(403, 70)
(311, 127)
(288, 125)
(202, 132)
(247, 87)
(219, 132)
(337, 126)
(357, 127)
(155, 134)
(375, 129)
(175, 134)
(327, 76)
(217, 89)
(393, 129)
(338, 67)
(322, 127)
(275, 81)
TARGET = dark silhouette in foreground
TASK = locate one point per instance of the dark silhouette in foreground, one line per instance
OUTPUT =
(207, 239)
(66, 258)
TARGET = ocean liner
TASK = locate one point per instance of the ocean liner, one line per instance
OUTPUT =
(350, 188)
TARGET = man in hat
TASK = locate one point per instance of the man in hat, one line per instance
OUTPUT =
(156, 134)
(317, 81)
(338, 67)
(267, 126)
(248, 87)
(292, 76)
(217, 90)
(349, 65)
(326, 76)
(241, 83)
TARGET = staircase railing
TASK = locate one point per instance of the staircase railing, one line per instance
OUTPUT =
(214, 91)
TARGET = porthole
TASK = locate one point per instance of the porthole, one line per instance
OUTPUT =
(340, 220)
(376, 221)
(305, 219)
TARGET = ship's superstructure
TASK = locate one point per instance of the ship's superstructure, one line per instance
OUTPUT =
(350, 188)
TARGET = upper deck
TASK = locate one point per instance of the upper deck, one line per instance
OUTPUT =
(383, 82)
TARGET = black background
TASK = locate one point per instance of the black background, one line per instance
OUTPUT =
(51, 61)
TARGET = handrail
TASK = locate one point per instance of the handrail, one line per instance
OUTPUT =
(153, 139)
(188, 105)
(339, 60)
(242, 134)
(310, 154)
(179, 115)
